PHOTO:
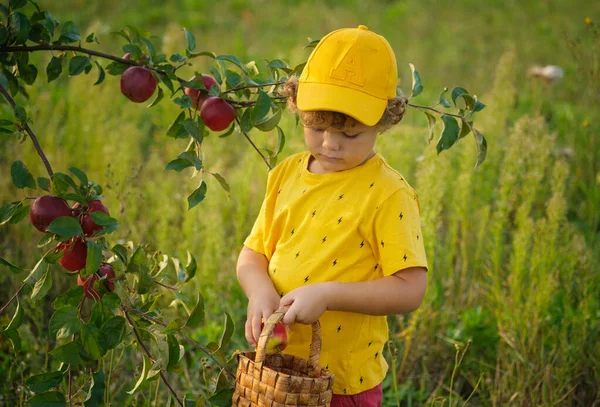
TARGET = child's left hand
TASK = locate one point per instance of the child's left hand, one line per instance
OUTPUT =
(307, 304)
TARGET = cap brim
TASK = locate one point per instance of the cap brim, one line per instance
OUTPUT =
(365, 108)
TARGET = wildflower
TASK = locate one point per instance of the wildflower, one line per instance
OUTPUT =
(588, 20)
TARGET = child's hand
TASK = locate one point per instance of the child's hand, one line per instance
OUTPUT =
(307, 304)
(260, 307)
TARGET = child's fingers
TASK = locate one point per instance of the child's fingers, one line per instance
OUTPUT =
(249, 334)
(290, 316)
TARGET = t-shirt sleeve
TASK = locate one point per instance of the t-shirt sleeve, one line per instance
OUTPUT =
(397, 234)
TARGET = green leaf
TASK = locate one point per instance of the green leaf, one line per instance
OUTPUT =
(89, 338)
(233, 59)
(54, 257)
(168, 82)
(144, 280)
(191, 267)
(221, 181)
(197, 196)
(94, 257)
(222, 398)
(121, 252)
(159, 96)
(481, 147)
(174, 351)
(246, 121)
(95, 395)
(116, 68)
(176, 129)
(12, 267)
(42, 286)
(15, 339)
(49, 399)
(112, 332)
(20, 114)
(21, 177)
(92, 38)
(261, 108)
(134, 50)
(312, 44)
(20, 214)
(149, 46)
(193, 129)
(78, 64)
(72, 298)
(227, 331)
(146, 366)
(178, 164)
(449, 134)
(111, 300)
(7, 211)
(65, 322)
(101, 74)
(54, 68)
(45, 381)
(184, 101)
(431, 119)
(65, 226)
(17, 319)
(270, 122)
(190, 40)
(21, 26)
(192, 157)
(28, 73)
(443, 101)
(456, 92)
(196, 317)
(15, 4)
(3, 34)
(232, 79)
(465, 128)
(478, 106)
(176, 58)
(417, 86)
(44, 183)
(37, 272)
(79, 174)
(61, 183)
(173, 327)
(69, 353)
(69, 33)
(108, 224)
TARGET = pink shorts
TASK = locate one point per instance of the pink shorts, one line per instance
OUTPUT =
(368, 398)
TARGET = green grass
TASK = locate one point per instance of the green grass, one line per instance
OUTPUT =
(511, 312)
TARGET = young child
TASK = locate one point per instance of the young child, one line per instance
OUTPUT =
(338, 236)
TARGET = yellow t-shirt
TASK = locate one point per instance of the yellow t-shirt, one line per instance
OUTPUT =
(349, 226)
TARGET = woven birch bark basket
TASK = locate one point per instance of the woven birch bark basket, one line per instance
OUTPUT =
(282, 380)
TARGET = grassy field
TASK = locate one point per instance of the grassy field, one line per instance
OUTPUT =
(511, 315)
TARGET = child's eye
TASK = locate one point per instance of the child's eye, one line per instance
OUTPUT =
(350, 135)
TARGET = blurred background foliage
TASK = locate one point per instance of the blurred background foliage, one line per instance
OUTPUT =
(512, 314)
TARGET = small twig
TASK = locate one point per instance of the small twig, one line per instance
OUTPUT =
(27, 129)
(166, 286)
(51, 47)
(12, 299)
(147, 352)
(187, 338)
(435, 110)
(253, 145)
(253, 86)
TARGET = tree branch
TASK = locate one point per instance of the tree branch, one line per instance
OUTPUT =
(435, 110)
(253, 145)
(51, 47)
(187, 338)
(147, 352)
(27, 129)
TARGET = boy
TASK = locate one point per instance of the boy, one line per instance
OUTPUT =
(338, 236)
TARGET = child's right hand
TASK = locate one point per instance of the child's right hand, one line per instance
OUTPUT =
(260, 307)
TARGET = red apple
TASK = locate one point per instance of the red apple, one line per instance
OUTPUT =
(217, 113)
(138, 84)
(47, 208)
(278, 339)
(197, 95)
(75, 254)
(87, 224)
(88, 283)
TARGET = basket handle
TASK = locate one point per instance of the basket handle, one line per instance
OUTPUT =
(261, 348)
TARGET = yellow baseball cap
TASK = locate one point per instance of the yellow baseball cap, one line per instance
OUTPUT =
(351, 71)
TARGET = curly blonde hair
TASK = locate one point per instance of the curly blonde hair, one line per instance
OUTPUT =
(324, 119)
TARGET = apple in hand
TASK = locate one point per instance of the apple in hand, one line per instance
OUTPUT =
(75, 254)
(138, 84)
(88, 283)
(47, 208)
(198, 95)
(278, 339)
(217, 114)
(87, 224)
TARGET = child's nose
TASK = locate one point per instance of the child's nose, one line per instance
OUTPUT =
(331, 140)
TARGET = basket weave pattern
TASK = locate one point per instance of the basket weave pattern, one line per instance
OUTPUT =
(282, 380)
